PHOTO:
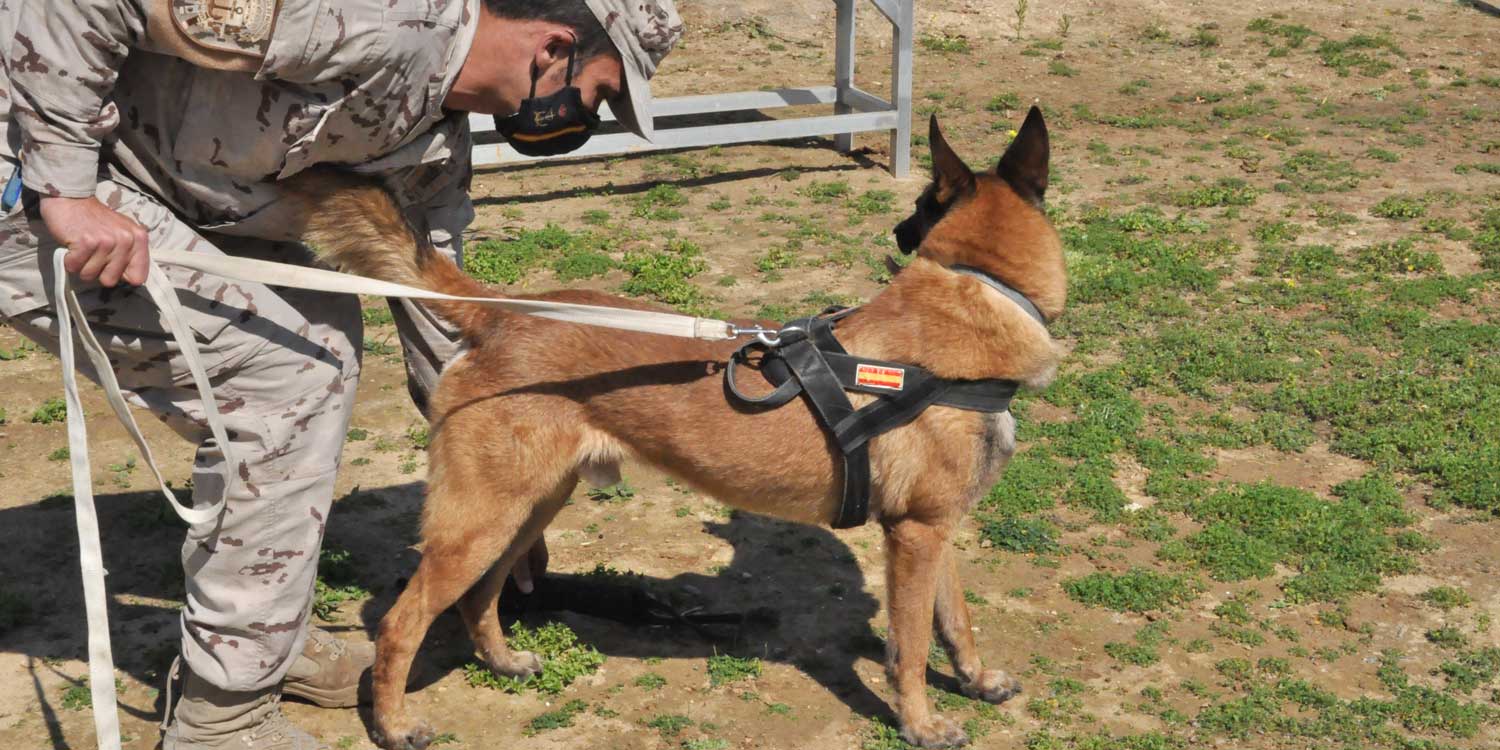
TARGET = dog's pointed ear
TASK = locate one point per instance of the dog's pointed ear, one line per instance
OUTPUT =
(950, 174)
(1024, 164)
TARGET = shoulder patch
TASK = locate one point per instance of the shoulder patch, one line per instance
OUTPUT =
(235, 26)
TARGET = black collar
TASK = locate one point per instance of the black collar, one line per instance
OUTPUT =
(1027, 306)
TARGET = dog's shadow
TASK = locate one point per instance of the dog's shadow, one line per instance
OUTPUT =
(807, 577)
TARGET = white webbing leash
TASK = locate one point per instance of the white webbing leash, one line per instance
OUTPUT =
(91, 558)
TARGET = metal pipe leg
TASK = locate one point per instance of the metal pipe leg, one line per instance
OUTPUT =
(843, 70)
(901, 75)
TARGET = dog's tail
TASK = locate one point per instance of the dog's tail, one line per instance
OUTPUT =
(354, 225)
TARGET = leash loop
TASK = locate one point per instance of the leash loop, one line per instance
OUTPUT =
(90, 550)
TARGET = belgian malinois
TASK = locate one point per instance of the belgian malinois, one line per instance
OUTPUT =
(537, 404)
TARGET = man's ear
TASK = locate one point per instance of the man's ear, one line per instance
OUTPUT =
(552, 46)
(950, 174)
(1024, 164)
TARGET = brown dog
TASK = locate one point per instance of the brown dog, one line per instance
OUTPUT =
(536, 404)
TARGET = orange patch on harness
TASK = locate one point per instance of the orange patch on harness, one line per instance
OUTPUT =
(875, 376)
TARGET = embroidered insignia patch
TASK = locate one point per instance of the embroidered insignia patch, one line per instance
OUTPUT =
(875, 376)
(242, 26)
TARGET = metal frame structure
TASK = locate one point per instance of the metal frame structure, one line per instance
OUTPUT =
(854, 110)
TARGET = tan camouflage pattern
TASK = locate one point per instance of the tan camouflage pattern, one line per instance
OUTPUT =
(286, 366)
(358, 83)
(194, 155)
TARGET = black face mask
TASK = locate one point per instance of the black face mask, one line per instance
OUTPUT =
(549, 125)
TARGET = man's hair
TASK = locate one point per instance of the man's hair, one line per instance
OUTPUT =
(575, 14)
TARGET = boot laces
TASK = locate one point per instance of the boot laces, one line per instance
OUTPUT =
(274, 726)
(322, 641)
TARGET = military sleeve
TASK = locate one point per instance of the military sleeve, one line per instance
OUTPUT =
(63, 63)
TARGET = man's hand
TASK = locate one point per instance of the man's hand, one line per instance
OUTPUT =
(102, 243)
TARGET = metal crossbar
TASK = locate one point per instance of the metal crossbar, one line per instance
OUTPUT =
(854, 110)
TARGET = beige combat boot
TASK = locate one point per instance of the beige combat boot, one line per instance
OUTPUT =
(208, 718)
(328, 671)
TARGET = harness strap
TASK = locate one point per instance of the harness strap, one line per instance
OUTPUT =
(826, 395)
(807, 358)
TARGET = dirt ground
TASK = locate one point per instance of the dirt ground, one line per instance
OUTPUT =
(822, 682)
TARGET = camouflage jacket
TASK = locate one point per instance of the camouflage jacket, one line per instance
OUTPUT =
(358, 83)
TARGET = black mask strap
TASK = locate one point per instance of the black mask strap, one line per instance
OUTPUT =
(568, 82)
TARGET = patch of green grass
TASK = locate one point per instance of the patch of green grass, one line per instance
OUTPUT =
(1400, 208)
(1366, 52)
(944, 42)
(1338, 548)
(338, 582)
(564, 660)
(1313, 171)
(1226, 191)
(664, 275)
(824, 192)
(1292, 35)
(1385, 155)
(873, 202)
(1144, 651)
(1060, 68)
(723, 668)
(51, 411)
(1400, 256)
(578, 264)
(670, 725)
(1446, 597)
(77, 698)
(377, 315)
(650, 681)
(1003, 103)
(1138, 590)
(619, 492)
(1470, 670)
(597, 217)
(507, 261)
(562, 717)
(660, 203)
(1024, 535)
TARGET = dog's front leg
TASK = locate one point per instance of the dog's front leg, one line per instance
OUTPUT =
(952, 620)
(914, 559)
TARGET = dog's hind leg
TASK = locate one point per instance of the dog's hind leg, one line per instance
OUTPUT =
(480, 606)
(467, 533)
(914, 559)
(449, 567)
(952, 620)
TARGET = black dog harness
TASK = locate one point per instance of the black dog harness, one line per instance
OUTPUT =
(806, 358)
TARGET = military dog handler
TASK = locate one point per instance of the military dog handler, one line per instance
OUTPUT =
(132, 124)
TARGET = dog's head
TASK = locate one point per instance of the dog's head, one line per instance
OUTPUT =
(993, 220)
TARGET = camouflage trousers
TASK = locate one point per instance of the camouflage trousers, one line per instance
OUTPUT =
(285, 365)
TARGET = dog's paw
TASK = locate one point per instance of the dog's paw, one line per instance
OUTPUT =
(409, 735)
(517, 664)
(937, 731)
(993, 686)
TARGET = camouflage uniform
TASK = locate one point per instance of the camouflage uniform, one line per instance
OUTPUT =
(193, 154)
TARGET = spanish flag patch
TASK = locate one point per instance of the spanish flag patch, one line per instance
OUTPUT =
(875, 376)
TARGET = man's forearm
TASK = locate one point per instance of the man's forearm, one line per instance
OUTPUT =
(63, 64)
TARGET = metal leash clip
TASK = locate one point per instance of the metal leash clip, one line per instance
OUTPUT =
(763, 335)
